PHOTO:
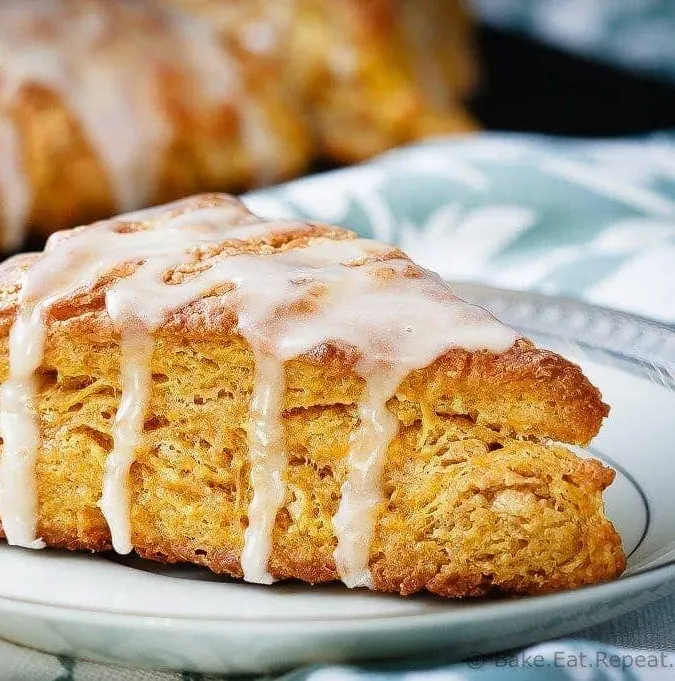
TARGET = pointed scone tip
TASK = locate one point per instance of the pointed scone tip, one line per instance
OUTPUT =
(292, 291)
(529, 391)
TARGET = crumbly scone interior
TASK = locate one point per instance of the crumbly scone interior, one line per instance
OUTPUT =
(449, 480)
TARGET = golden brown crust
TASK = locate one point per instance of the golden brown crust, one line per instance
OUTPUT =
(529, 391)
(469, 508)
(476, 498)
(533, 392)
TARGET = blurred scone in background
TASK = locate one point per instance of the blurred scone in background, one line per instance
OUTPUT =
(112, 105)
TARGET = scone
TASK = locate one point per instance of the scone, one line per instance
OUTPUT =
(366, 74)
(279, 400)
(111, 105)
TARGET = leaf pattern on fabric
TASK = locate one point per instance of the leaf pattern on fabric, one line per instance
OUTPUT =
(586, 219)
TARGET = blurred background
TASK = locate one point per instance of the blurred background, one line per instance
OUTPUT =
(575, 67)
(111, 105)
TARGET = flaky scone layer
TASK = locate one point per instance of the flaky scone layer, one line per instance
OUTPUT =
(475, 498)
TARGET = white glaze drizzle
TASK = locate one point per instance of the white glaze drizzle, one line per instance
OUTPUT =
(106, 61)
(354, 522)
(136, 379)
(76, 52)
(268, 462)
(20, 431)
(381, 308)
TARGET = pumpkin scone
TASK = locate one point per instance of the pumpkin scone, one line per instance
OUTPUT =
(282, 399)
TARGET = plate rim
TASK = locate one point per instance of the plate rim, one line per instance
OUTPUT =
(652, 577)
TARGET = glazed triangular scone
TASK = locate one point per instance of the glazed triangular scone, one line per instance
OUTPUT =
(283, 400)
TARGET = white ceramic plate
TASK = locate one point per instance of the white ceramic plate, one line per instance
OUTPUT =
(137, 613)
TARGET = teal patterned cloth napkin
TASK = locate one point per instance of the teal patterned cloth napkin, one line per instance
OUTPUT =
(636, 34)
(588, 219)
